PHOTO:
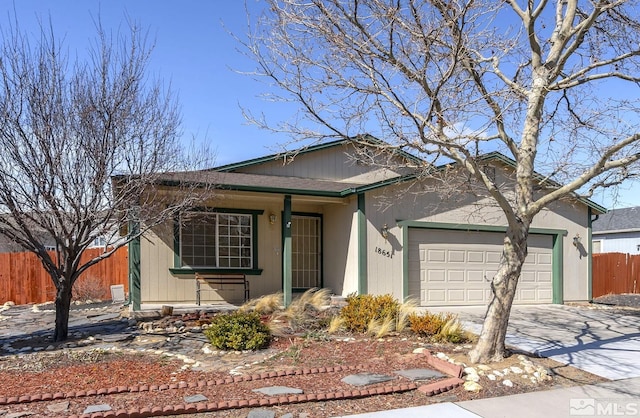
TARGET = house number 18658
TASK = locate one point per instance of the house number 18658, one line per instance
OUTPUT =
(383, 252)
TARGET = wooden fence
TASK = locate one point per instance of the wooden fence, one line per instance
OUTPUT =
(615, 273)
(23, 280)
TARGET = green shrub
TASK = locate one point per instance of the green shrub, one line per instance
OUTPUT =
(429, 324)
(362, 309)
(238, 331)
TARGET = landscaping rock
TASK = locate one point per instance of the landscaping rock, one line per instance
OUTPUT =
(364, 379)
(195, 398)
(97, 408)
(278, 390)
(261, 413)
(419, 374)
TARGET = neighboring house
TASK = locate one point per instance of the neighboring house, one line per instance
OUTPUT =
(617, 231)
(318, 219)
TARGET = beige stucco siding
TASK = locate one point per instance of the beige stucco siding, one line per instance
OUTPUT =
(333, 164)
(385, 273)
(341, 247)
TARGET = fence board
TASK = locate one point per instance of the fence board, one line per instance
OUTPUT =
(23, 280)
(615, 273)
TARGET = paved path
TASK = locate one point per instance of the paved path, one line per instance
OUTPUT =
(620, 398)
(600, 341)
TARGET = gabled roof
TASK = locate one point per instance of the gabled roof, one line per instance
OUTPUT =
(224, 177)
(273, 184)
(363, 139)
(497, 156)
(618, 220)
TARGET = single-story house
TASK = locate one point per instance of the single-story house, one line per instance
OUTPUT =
(617, 231)
(320, 218)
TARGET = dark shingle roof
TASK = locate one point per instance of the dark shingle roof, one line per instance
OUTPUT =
(627, 219)
(265, 183)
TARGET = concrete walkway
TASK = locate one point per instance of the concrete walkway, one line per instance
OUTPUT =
(618, 398)
(595, 340)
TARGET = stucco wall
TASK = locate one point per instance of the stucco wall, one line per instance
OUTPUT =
(424, 204)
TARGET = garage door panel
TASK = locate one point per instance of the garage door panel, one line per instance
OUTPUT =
(459, 265)
(456, 256)
(475, 256)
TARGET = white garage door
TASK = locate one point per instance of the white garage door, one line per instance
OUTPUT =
(456, 267)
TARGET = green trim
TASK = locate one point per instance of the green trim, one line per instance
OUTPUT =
(211, 270)
(287, 254)
(363, 287)
(226, 210)
(557, 265)
(495, 155)
(556, 256)
(281, 156)
(321, 217)
(177, 261)
(360, 139)
(176, 242)
(590, 255)
(405, 262)
(476, 227)
(134, 265)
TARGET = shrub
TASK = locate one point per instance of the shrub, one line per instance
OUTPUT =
(428, 324)
(361, 310)
(238, 331)
(88, 288)
(452, 332)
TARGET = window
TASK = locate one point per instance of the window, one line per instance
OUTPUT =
(216, 240)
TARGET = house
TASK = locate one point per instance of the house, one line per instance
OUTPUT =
(617, 231)
(321, 218)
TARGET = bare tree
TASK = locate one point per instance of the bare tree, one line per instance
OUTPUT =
(551, 84)
(83, 143)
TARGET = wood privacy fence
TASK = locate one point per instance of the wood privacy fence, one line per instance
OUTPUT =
(615, 273)
(23, 280)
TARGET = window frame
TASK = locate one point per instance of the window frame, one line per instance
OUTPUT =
(179, 268)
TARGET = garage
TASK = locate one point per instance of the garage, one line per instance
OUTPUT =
(453, 267)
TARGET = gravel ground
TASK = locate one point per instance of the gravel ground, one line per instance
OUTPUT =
(627, 300)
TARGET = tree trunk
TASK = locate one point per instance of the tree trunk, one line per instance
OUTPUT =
(490, 346)
(63, 305)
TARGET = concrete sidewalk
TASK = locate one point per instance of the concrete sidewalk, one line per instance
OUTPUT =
(616, 398)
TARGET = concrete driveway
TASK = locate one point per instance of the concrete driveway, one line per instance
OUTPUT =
(596, 340)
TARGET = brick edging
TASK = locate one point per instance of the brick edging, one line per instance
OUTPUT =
(23, 399)
(237, 404)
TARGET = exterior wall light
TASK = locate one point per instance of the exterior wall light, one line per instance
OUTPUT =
(577, 240)
(384, 231)
(272, 219)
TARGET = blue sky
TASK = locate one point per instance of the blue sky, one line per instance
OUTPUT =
(194, 51)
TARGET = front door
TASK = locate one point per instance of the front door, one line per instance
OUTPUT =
(306, 249)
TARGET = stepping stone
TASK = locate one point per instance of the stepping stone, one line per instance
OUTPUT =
(364, 379)
(195, 398)
(58, 407)
(278, 390)
(97, 408)
(114, 338)
(261, 413)
(419, 374)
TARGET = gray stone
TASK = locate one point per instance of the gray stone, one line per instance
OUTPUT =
(364, 379)
(104, 317)
(58, 407)
(278, 390)
(19, 414)
(114, 338)
(419, 374)
(261, 413)
(195, 398)
(97, 408)
(289, 415)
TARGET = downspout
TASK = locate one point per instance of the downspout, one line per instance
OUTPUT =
(590, 220)
(363, 286)
(287, 254)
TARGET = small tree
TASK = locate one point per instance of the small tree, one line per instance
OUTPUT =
(83, 143)
(551, 84)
